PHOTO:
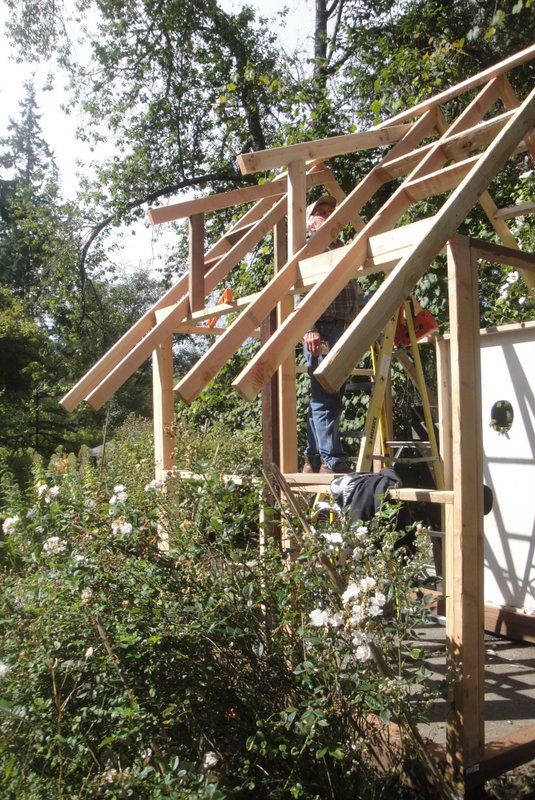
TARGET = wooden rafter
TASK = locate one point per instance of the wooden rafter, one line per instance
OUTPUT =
(251, 379)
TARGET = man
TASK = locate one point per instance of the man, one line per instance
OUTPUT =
(324, 452)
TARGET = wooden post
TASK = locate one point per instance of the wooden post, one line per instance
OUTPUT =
(464, 539)
(442, 351)
(163, 408)
(196, 262)
(287, 391)
(270, 398)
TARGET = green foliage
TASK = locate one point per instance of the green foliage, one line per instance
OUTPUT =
(130, 671)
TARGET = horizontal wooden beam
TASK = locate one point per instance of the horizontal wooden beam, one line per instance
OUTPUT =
(499, 254)
(472, 138)
(201, 330)
(356, 339)
(502, 755)
(383, 248)
(454, 91)
(318, 149)
(216, 202)
(441, 496)
(439, 181)
(515, 211)
(510, 622)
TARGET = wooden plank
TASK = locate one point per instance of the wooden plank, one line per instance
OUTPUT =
(140, 351)
(511, 101)
(215, 202)
(461, 144)
(262, 160)
(439, 181)
(502, 755)
(441, 496)
(464, 543)
(222, 350)
(470, 83)
(498, 254)
(355, 341)
(384, 248)
(518, 210)
(196, 262)
(297, 200)
(309, 310)
(510, 622)
(487, 203)
(163, 408)
(442, 352)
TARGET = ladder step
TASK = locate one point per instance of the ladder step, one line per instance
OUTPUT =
(411, 443)
(417, 460)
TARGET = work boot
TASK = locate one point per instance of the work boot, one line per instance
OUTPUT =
(308, 467)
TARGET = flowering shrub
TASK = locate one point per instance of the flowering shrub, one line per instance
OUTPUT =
(130, 672)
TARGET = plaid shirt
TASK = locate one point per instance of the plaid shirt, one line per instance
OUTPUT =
(346, 305)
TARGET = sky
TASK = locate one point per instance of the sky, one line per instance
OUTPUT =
(59, 128)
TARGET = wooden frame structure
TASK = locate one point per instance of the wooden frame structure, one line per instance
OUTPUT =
(427, 155)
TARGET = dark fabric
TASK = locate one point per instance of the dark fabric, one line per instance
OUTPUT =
(362, 492)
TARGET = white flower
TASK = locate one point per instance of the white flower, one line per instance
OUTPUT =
(336, 620)
(524, 175)
(41, 489)
(89, 652)
(333, 538)
(361, 531)
(86, 594)
(118, 497)
(3, 669)
(9, 523)
(119, 488)
(521, 301)
(352, 591)
(512, 277)
(363, 652)
(357, 615)
(54, 545)
(379, 598)
(319, 618)
(154, 484)
(374, 610)
(121, 526)
(79, 558)
(209, 761)
(51, 493)
(367, 583)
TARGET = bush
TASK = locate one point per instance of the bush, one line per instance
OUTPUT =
(202, 672)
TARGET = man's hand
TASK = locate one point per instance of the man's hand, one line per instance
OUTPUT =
(312, 341)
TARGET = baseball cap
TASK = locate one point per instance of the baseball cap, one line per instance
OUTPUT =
(326, 199)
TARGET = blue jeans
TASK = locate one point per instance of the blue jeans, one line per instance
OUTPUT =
(325, 409)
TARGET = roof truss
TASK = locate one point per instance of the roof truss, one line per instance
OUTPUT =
(454, 161)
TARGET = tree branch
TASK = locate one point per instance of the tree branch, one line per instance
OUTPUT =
(97, 229)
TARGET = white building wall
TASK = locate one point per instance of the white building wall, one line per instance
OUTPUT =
(508, 373)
